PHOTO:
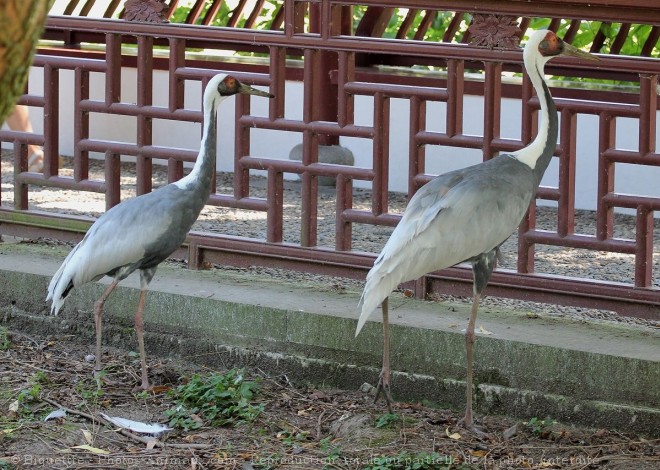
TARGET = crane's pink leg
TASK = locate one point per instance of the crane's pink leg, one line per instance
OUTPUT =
(385, 374)
(99, 306)
(468, 419)
(469, 342)
(139, 330)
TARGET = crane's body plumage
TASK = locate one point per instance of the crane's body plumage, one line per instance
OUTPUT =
(160, 221)
(465, 215)
(426, 238)
(142, 232)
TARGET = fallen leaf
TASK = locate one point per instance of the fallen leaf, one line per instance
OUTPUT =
(318, 395)
(484, 331)
(456, 436)
(13, 407)
(479, 453)
(161, 389)
(304, 412)
(93, 450)
(509, 433)
(88, 436)
(197, 419)
(600, 433)
(151, 443)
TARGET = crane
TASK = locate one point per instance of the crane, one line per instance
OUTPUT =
(465, 215)
(140, 233)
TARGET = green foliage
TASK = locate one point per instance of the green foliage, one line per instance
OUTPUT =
(386, 420)
(143, 395)
(5, 342)
(587, 31)
(412, 461)
(329, 448)
(89, 390)
(25, 399)
(29, 395)
(40, 377)
(215, 399)
(5, 465)
(539, 425)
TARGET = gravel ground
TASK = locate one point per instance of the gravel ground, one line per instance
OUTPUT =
(611, 267)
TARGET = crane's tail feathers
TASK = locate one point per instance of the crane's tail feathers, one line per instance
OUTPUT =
(60, 285)
(363, 316)
(377, 289)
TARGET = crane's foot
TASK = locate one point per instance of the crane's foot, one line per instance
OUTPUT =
(143, 387)
(384, 388)
(468, 423)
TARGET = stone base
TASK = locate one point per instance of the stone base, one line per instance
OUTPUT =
(335, 154)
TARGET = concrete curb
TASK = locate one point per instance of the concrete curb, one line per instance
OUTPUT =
(599, 375)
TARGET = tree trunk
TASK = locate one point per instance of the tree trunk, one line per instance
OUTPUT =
(21, 25)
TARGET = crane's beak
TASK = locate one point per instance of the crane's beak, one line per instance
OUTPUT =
(575, 52)
(248, 90)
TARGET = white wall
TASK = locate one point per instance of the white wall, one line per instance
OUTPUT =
(631, 179)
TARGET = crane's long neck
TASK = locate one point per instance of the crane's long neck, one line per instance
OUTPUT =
(538, 154)
(200, 178)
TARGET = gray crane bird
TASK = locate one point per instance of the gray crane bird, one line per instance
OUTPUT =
(141, 232)
(465, 215)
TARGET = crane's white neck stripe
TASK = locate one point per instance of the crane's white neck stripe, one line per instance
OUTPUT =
(209, 109)
(530, 154)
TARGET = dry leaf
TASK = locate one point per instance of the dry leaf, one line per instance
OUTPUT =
(93, 450)
(484, 331)
(318, 395)
(456, 436)
(88, 436)
(479, 453)
(151, 443)
(304, 412)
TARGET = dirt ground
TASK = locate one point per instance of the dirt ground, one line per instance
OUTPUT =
(299, 428)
